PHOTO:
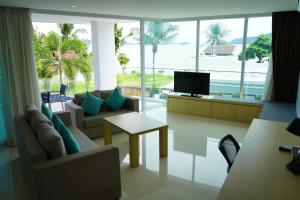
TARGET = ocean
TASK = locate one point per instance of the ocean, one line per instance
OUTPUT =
(173, 57)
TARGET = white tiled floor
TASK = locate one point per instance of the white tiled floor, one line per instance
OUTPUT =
(194, 168)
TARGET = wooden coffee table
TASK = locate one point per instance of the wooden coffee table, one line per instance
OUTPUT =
(135, 124)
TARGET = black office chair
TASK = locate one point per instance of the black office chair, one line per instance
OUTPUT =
(229, 147)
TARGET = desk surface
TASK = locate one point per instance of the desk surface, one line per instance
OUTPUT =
(259, 171)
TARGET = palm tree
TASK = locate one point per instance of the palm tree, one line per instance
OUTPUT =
(120, 40)
(43, 58)
(65, 30)
(158, 33)
(215, 34)
(70, 54)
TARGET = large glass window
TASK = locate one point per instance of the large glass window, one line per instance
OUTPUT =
(128, 58)
(63, 55)
(220, 44)
(258, 50)
(169, 47)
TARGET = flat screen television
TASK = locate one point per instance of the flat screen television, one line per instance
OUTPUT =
(191, 82)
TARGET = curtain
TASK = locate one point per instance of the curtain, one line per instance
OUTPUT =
(269, 81)
(19, 75)
(3, 134)
(286, 55)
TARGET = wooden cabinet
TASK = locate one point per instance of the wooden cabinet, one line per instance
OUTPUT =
(200, 108)
(178, 105)
(222, 111)
(235, 110)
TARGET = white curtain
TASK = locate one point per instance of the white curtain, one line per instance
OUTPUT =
(19, 75)
(269, 82)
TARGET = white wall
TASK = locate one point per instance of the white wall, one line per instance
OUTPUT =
(103, 45)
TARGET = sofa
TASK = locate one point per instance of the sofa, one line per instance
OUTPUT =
(92, 126)
(93, 173)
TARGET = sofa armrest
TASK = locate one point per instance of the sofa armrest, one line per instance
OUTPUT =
(65, 116)
(132, 103)
(92, 174)
(77, 114)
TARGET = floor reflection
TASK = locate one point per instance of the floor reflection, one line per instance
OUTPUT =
(194, 167)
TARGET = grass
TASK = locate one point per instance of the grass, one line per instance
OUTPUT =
(134, 79)
(123, 79)
(77, 87)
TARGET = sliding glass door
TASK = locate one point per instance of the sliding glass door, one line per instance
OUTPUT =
(258, 49)
(169, 47)
(221, 43)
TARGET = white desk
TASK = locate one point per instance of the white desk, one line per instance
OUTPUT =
(259, 171)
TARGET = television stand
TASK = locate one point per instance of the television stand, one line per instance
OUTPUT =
(192, 95)
(232, 109)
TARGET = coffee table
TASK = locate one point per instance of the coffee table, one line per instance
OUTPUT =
(135, 124)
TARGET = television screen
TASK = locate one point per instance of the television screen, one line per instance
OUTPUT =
(191, 82)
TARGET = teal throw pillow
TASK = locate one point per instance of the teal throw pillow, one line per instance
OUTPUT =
(57, 122)
(115, 100)
(46, 111)
(71, 144)
(91, 104)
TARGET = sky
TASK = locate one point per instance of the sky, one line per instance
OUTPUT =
(47, 27)
(187, 30)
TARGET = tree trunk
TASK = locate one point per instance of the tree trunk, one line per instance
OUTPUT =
(60, 73)
(153, 70)
(213, 48)
(59, 65)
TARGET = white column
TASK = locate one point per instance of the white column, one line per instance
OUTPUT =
(103, 45)
(142, 54)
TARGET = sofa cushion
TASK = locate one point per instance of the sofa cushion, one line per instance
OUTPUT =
(37, 119)
(105, 93)
(46, 111)
(50, 141)
(79, 98)
(85, 143)
(91, 104)
(72, 146)
(28, 110)
(57, 122)
(92, 121)
(116, 100)
(28, 144)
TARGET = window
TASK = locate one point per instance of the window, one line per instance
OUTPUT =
(220, 44)
(128, 58)
(63, 58)
(169, 47)
(259, 39)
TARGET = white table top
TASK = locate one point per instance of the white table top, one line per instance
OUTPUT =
(135, 123)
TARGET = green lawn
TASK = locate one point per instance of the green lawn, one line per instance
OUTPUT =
(77, 87)
(134, 79)
(125, 79)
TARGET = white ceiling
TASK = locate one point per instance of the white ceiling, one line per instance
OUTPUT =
(164, 9)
